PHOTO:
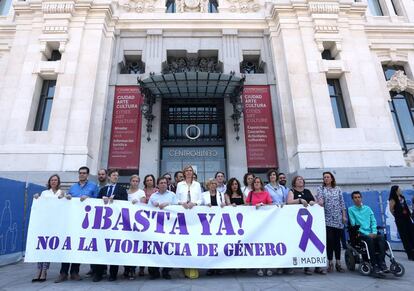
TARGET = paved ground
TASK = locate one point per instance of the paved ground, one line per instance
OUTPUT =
(18, 277)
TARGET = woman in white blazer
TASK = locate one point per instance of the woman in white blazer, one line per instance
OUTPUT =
(188, 191)
(213, 197)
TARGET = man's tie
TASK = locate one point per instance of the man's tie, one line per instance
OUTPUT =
(110, 190)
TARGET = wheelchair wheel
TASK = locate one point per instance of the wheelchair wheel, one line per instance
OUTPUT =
(397, 269)
(365, 268)
(349, 260)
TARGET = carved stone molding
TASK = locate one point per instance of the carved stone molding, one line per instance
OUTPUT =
(58, 7)
(55, 29)
(399, 82)
(138, 6)
(326, 28)
(324, 7)
(244, 6)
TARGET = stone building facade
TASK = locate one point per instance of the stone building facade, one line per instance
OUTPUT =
(339, 75)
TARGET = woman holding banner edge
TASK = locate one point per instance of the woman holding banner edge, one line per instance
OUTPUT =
(53, 190)
(300, 195)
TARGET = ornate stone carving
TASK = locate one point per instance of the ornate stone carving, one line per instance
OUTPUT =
(244, 6)
(133, 67)
(58, 7)
(180, 65)
(324, 7)
(192, 5)
(399, 82)
(138, 5)
(251, 67)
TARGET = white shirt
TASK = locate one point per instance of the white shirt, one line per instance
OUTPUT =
(195, 192)
(137, 195)
(206, 198)
(246, 190)
(222, 188)
(50, 193)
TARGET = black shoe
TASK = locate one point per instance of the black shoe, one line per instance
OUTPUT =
(378, 272)
(166, 276)
(90, 273)
(210, 272)
(112, 278)
(96, 278)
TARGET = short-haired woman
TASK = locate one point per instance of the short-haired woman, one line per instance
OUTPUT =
(212, 197)
(189, 195)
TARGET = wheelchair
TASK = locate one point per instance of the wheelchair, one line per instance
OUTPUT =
(357, 254)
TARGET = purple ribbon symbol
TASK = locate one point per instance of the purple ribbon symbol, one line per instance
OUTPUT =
(308, 233)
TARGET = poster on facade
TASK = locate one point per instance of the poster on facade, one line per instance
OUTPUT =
(125, 143)
(122, 233)
(258, 126)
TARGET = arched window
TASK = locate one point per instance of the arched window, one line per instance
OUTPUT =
(170, 6)
(401, 104)
(213, 6)
(402, 109)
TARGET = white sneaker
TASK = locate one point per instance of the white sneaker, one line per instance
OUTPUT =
(260, 273)
(269, 273)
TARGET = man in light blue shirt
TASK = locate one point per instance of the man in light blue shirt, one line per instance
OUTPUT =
(363, 216)
(161, 199)
(83, 188)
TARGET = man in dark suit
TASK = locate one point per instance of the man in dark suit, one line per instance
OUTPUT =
(112, 191)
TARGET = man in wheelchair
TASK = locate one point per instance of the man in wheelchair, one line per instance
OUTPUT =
(363, 216)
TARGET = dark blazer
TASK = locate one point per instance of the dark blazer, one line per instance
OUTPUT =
(120, 193)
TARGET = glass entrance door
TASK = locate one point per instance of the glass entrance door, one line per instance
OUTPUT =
(193, 132)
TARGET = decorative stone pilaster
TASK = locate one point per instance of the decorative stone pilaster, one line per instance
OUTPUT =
(231, 55)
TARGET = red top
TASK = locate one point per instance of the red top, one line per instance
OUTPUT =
(258, 197)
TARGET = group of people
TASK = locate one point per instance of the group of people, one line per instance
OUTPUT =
(184, 190)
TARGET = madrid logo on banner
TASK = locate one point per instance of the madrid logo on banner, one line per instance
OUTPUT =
(125, 234)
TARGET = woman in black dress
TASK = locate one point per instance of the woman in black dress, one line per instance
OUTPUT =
(234, 195)
(399, 208)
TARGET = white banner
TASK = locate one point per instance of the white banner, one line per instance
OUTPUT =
(90, 232)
